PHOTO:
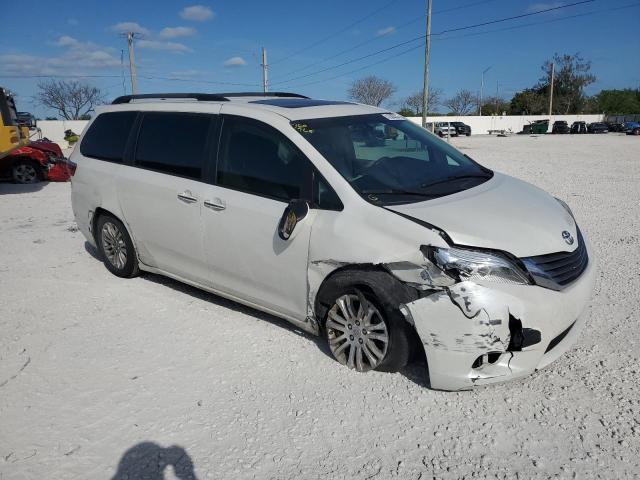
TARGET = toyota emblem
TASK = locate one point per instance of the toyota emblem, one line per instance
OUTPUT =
(567, 237)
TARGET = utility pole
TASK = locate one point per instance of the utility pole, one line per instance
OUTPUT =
(132, 63)
(553, 72)
(427, 54)
(482, 89)
(265, 71)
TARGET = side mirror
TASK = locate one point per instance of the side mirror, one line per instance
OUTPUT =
(295, 211)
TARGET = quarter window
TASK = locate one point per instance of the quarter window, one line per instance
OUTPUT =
(107, 136)
(173, 143)
(256, 158)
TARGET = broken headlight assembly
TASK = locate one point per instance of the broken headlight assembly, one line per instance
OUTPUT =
(465, 264)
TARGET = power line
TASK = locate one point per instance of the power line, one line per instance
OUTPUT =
(378, 37)
(467, 27)
(329, 37)
(396, 55)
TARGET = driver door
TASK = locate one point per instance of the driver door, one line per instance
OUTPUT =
(258, 172)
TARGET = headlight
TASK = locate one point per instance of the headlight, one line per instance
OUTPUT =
(565, 206)
(463, 264)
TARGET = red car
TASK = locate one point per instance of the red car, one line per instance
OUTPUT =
(40, 160)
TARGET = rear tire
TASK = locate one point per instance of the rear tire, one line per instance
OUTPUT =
(26, 172)
(116, 247)
(363, 336)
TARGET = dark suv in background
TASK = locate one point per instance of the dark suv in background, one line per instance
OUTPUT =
(461, 128)
(560, 126)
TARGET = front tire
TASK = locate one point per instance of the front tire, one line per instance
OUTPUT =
(362, 336)
(26, 172)
(116, 247)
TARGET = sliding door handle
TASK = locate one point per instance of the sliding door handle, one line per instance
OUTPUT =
(187, 197)
(215, 204)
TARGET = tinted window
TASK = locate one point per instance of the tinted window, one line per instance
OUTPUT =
(173, 143)
(256, 158)
(107, 136)
(323, 195)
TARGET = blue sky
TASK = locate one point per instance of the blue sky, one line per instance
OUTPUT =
(215, 46)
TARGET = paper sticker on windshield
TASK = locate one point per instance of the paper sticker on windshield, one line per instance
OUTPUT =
(392, 116)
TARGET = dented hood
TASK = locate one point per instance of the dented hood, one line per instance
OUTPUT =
(503, 213)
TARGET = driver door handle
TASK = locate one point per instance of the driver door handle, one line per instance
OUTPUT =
(187, 197)
(215, 204)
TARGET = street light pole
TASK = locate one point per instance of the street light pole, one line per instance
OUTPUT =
(482, 89)
(427, 53)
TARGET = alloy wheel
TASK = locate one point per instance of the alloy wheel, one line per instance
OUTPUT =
(25, 173)
(114, 246)
(357, 334)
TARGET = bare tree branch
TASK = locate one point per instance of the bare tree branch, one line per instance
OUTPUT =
(70, 98)
(371, 90)
(414, 102)
(462, 103)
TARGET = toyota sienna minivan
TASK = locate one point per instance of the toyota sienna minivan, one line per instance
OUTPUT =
(349, 221)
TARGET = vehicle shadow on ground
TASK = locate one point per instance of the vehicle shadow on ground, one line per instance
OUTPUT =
(149, 460)
(8, 188)
(416, 371)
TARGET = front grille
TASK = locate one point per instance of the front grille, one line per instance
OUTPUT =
(557, 270)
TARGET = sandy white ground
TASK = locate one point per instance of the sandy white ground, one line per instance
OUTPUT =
(92, 366)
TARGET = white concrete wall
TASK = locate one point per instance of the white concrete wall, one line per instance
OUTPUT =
(54, 129)
(481, 125)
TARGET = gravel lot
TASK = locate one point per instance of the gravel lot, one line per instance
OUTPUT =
(102, 377)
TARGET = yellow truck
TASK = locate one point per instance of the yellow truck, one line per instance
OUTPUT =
(12, 136)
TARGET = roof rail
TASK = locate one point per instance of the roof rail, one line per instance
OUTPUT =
(263, 94)
(201, 97)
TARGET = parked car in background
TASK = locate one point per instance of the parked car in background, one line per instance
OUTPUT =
(632, 128)
(615, 127)
(597, 127)
(462, 128)
(279, 202)
(25, 119)
(578, 127)
(38, 161)
(442, 129)
(560, 126)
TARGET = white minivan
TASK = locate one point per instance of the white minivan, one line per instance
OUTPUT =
(347, 220)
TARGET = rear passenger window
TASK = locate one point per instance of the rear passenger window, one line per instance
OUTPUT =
(107, 136)
(173, 143)
(256, 158)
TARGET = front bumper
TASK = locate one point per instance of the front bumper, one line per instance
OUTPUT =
(467, 330)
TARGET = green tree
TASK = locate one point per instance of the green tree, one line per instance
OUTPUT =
(617, 101)
(406, 112)
(528, 102)
(572, 76)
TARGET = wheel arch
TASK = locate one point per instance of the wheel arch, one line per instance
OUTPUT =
(375, 279)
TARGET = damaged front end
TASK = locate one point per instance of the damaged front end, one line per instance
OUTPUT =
(469, 316)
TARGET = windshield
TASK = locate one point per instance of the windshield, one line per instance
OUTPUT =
(390, 160)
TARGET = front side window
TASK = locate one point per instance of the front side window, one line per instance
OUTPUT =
(256, 158)
(173, 143)
(389, 160)
(107, 136)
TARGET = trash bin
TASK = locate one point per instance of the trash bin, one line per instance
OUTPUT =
(539, 126)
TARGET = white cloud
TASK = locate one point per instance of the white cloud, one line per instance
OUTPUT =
(386, 31)
(175, 32)
(197, 13)
(67, 41)
(172, 47)
(123, 27)
(235, 62)
(537, 7)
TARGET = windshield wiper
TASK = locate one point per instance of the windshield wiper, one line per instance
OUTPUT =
(397, 191)
(453, 178)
